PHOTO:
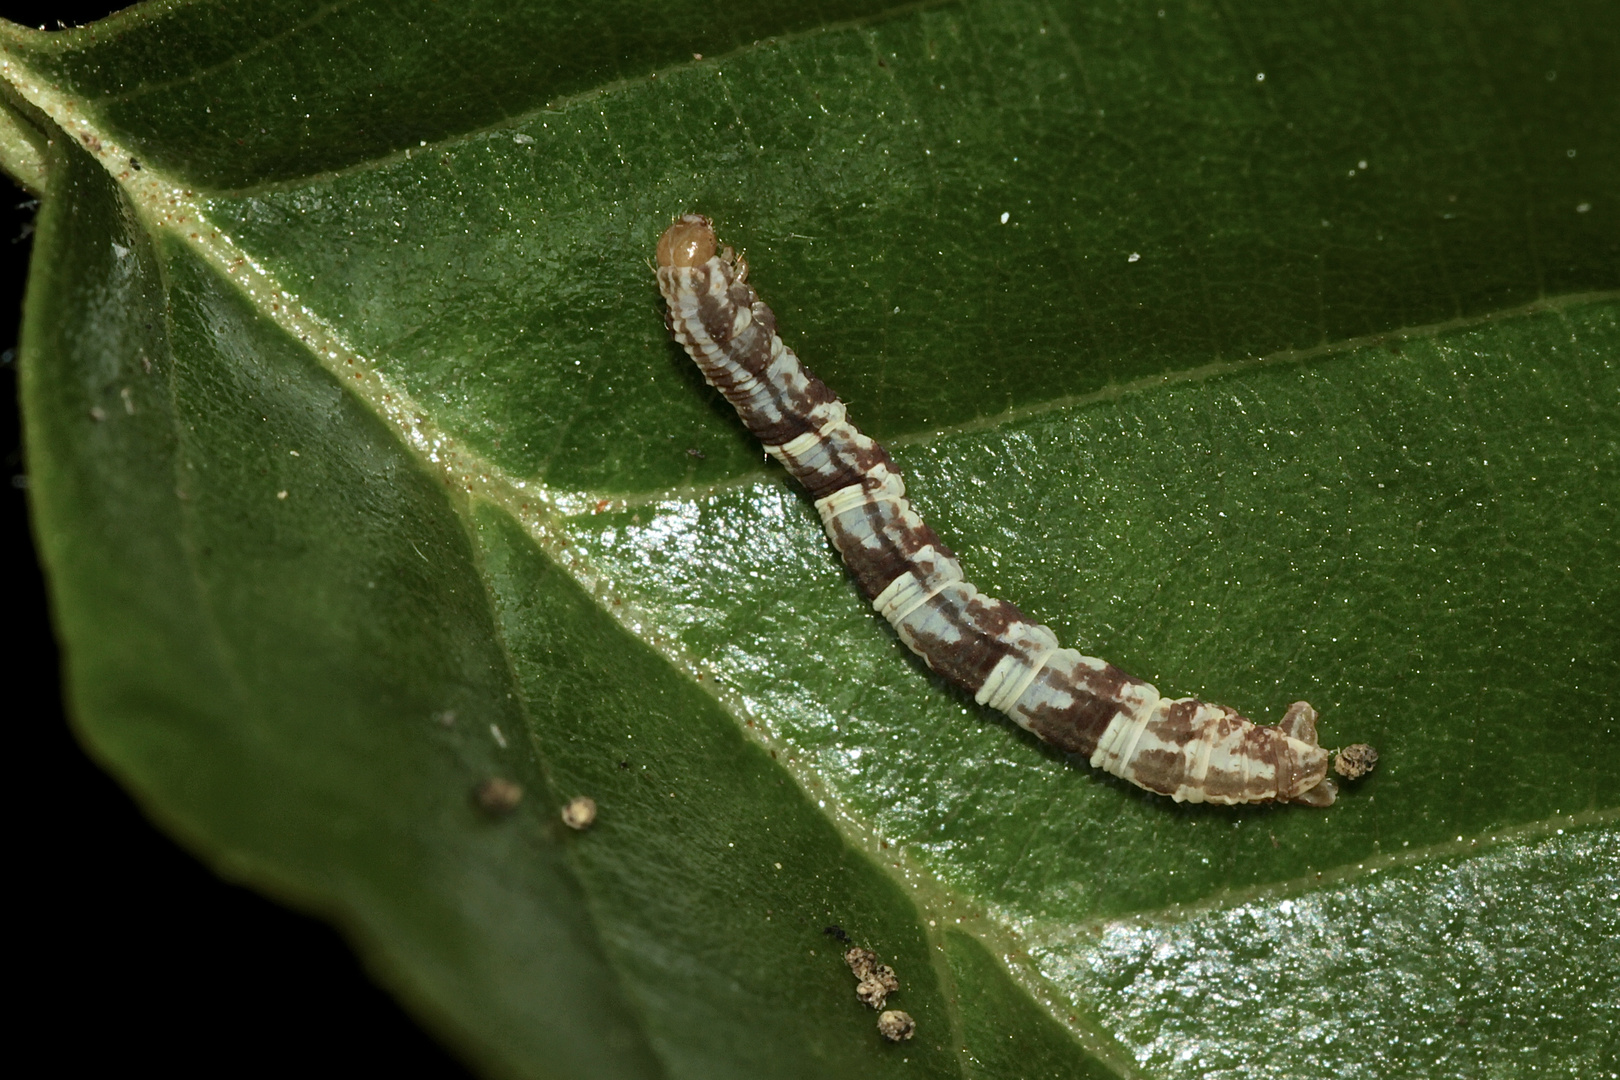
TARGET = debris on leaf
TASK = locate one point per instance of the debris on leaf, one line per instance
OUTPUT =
(896, 1026)
(875, 981)
(498, 797)
(1355, 761)
(580, 812)
(875, 989)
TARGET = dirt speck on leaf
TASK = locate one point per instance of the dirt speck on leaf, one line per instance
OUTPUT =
(896, 1026)
(498, 797)
(580, 813)
(1355, 761)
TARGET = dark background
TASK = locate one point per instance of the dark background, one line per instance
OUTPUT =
(129, 952)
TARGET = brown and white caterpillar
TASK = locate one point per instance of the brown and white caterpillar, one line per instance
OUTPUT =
(1186, 749)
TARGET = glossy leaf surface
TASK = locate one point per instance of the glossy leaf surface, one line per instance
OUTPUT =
(1267, 353)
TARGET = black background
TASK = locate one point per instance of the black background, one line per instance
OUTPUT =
(126, 950)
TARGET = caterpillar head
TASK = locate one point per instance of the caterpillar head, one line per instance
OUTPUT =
(688, 242)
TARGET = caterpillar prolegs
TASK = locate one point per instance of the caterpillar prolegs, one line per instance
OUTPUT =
(1183, 748)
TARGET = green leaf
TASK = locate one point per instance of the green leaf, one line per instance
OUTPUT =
(1267, 353)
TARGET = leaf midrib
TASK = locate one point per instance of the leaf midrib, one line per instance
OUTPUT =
(121, 21)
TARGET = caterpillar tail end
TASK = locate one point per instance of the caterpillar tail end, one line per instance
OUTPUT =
(1299, 722)
(1322, 795)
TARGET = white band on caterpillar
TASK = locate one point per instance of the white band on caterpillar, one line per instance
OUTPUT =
(1118, 743)
(908, 592)
(891, 490)
(794, 449)
(1010, 678)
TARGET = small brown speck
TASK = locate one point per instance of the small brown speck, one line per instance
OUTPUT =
(580, 812)
(1355, 761)
(896, 1026)
(498, 797)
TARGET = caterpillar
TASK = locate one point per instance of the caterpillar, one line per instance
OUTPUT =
(1183, 748)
